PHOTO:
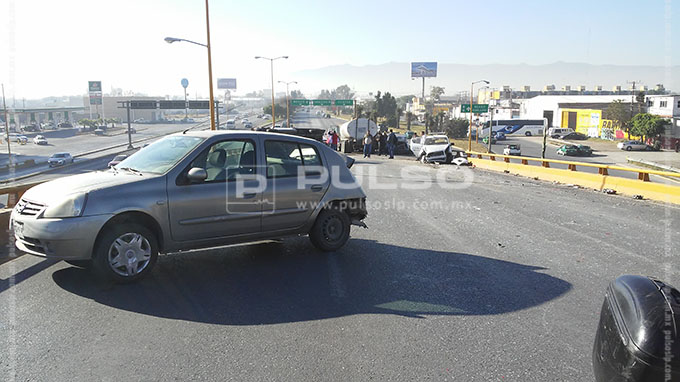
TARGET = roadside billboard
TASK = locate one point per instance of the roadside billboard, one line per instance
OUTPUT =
(94, 86)
(423, 69)
(226, 83)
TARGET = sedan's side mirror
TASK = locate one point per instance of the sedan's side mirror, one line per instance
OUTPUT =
(197, 175)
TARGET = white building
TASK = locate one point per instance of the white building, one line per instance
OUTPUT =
(551, 106)
(667, 106)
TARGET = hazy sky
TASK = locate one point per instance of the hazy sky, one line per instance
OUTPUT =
(54, 47)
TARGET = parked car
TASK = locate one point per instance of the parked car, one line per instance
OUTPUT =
(431, 148)
(31, 128)
(40, 140)
(13, 137)
(140, 120)
(65, 125)
(117, 159)
(575, 150)
(555, 132)
(573, 136)
(59, 159)
(512, 150)
(499, 135)
(189, 191)
(244, 121)
(99, 131)
(248, 125)
(486, 140)
(22, 139)
(633, 146)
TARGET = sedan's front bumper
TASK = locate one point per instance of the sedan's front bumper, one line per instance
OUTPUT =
(68, 238)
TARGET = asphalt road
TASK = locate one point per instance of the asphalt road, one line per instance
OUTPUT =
(480, 277)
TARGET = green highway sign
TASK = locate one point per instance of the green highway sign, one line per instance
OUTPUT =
(477, 108)
(299, 102)
(321, 102)
(343, 102)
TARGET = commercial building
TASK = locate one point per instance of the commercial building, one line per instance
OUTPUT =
(110, 109)
(583, 113)
(667, 106)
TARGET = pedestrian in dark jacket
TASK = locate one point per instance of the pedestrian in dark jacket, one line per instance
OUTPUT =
(391, 143)
(378, 142)
(383, 143)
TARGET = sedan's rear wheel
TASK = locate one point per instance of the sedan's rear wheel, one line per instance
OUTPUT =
(126, 253)
(331, 229)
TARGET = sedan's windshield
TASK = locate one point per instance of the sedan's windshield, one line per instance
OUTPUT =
(160, 156)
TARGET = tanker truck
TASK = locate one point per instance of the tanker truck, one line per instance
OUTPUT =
(352, 132)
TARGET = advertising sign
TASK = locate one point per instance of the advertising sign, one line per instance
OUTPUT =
(94, 86)
(226, 83)
(423, 69)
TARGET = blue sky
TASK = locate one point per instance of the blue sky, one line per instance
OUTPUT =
(56, 47)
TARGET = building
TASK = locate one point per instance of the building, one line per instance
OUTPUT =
(667, 106)
(110, 108)
(583, 113)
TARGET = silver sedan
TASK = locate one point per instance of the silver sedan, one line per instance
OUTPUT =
(187, 191)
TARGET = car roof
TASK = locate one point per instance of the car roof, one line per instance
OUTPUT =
(226, 133)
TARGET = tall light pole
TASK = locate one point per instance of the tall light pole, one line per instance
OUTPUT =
(170, 40)
(271, 62)
(470, 131)
(287, 101)
(9, 149)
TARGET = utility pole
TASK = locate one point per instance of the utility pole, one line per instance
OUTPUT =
(127, 104)
(488, 149)
(9, 149)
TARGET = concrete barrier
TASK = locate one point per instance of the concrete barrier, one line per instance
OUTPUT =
(650, 190)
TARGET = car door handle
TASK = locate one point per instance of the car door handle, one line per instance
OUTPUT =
(317, 187)
(249, 195)
(313, 173)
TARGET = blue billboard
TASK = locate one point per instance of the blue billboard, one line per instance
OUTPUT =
(423, 69)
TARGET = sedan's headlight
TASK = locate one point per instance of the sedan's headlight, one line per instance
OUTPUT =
(71, 207)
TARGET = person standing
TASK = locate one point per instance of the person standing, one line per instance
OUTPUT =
(383, 142)
(368, 143)
(378, 142)
(334, 140)
(391, 143)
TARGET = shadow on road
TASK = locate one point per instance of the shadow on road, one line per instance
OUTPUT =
(289, 282)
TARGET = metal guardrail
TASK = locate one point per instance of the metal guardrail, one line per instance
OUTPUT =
(603, 169)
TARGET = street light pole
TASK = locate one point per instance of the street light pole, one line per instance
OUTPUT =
(170, 40)
(212, 98)
(271, 63)
(287, 101)
(470, 130)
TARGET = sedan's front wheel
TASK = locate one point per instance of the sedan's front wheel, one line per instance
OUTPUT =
(331, 230)
(628, 148)
(125, 253)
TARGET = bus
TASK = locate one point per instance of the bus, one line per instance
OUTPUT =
(510, 127)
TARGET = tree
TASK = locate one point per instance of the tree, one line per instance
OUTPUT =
(456, 128)
(436, 93)
(647, 125)
(343, 92)
(619, 113)
(280, 110)
(325, 94)
(403, 100)
(409, 118)
(296, 94)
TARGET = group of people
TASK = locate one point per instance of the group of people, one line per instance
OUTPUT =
(385, 142)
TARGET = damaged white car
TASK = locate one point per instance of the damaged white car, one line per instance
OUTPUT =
(436, 148)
